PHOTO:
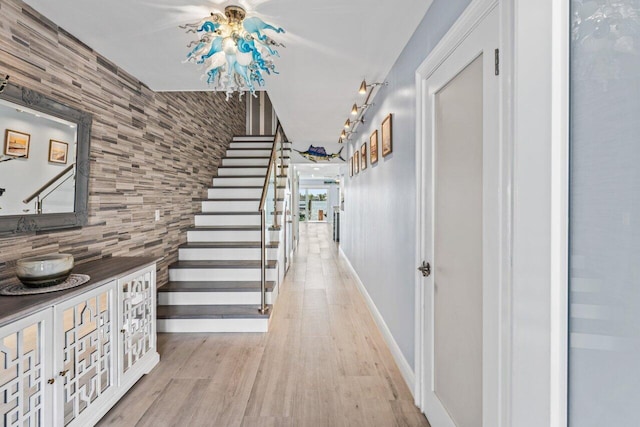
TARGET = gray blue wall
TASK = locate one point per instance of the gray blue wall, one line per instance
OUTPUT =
(379, 224)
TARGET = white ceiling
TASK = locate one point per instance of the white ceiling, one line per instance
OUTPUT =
(331, 45)
(315, 171)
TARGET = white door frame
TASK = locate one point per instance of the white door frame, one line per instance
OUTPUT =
(534, 64)
(539, 291)
(471, 18)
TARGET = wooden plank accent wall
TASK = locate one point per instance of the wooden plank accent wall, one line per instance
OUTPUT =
(149, 150)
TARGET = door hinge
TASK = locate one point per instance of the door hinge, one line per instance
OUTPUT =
(497, 61)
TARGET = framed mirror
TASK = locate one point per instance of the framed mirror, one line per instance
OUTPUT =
(44, 162)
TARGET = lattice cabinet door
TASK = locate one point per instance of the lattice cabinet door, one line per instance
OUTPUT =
(137, 301)
(25, 368)
(85, 358)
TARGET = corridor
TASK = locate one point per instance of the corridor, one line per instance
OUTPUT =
(323, 363)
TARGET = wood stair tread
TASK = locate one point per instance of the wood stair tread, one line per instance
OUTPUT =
(231, 264)
(252, 199)
(225, 228)
(254, 187)
(243, 167)
(249, 148)
(210, 312)
(234, 213)
(253, 157)
(209, 286)
(226, 245)
(238, 176)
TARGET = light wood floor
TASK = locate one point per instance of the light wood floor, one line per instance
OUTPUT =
(323, 362)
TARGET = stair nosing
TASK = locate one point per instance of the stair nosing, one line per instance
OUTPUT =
(230, 265)
(204, 286)
(226, 245)
(163, 312)
(253, 157)
(202, 228)
(233, 213)
(238, 176)
(253, 187)
(247, 166)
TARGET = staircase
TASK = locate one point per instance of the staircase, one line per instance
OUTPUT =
(215, 285)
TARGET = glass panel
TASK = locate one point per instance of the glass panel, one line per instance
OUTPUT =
(270, 200)
(21, 377)
(137, 321)
(604, 377)
(87, 353)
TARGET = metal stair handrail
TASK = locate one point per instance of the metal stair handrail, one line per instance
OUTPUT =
(279, 140)
(36, 194)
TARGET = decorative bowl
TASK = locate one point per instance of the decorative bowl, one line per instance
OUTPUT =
(44, 270)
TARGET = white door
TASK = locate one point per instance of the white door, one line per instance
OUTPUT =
(459, 238)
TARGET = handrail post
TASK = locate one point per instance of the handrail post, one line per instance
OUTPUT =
(263, 263)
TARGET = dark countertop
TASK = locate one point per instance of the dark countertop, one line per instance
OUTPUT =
(101, 271)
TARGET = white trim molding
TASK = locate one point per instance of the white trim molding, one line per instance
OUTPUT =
(404, 366)
(497, 371)
(539, 292)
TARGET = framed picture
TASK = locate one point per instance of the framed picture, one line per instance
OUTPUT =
(363, 156)
(373, 147)
(58, 151)
(16, 143)
(387, 136)
(356, 162)
(351, 166)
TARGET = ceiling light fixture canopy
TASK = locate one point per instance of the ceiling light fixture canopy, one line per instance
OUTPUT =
(234, 50)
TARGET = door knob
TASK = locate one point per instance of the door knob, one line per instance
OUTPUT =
(425, 269)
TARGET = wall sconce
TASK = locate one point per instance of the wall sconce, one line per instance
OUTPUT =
(364, 86)
(3, 83)
(345, 135)
(355, 109)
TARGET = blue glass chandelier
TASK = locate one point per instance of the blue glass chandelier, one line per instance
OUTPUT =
(234, 51)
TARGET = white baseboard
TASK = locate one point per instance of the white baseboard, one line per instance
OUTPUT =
(405, 369)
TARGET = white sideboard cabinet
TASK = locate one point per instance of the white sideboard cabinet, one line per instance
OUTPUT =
(66, 358)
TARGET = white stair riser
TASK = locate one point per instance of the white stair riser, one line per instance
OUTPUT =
(258, 145)
(245, 162)
(201, 254)
(195, 236)
(259, 171)
(260, 161)
(212, 325)
(219, 274)
(236, 205)
(249, 153)
(238, 181)
(254, 138)
(230, 206)
(234, 193)
(212, 298)
(223, 236)
(238, 193)
(212, 220)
